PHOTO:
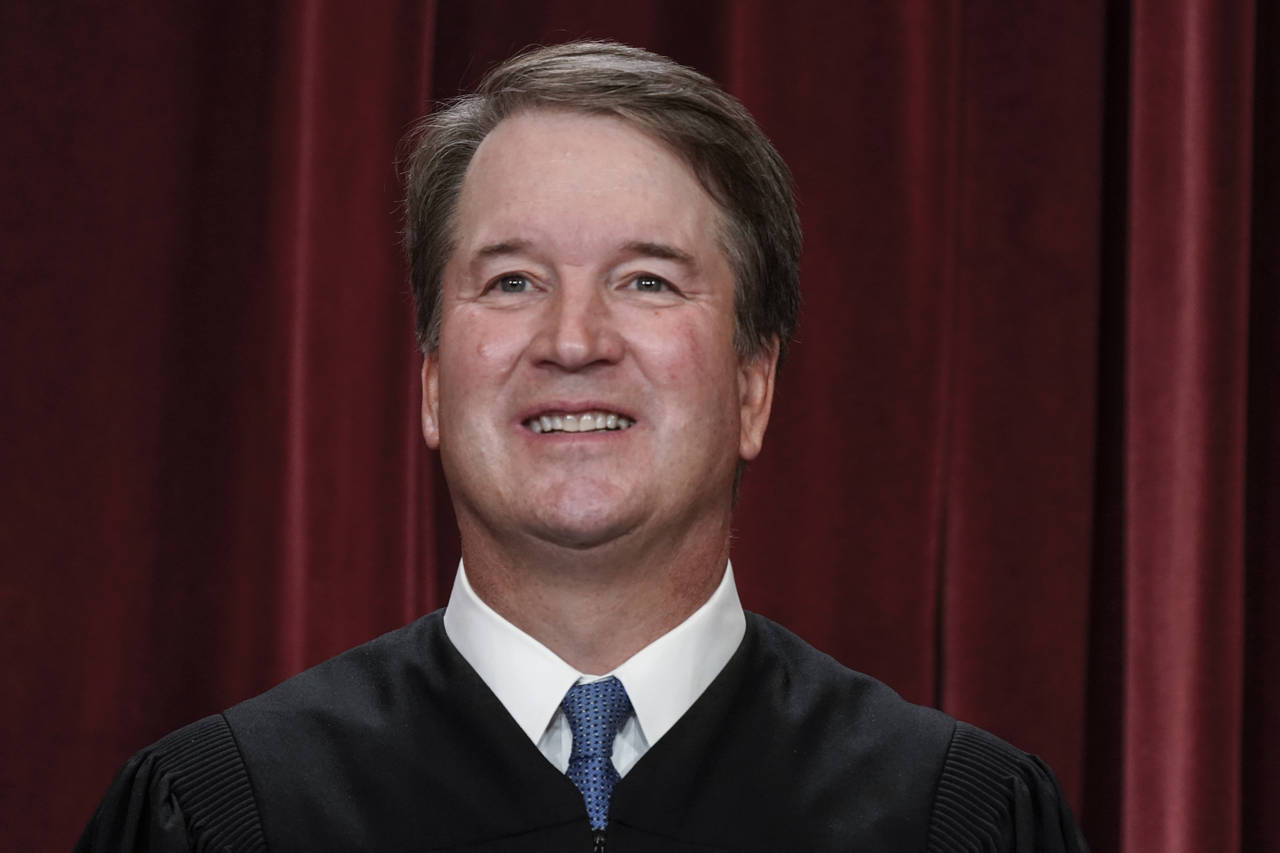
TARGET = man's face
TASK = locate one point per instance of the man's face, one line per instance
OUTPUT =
(586, 387)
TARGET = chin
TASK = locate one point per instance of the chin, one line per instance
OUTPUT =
(583, 527)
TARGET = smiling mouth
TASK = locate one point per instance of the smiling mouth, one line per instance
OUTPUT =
(579, 422)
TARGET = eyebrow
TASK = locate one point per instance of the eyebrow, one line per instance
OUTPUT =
(663, 251)
(503, 247)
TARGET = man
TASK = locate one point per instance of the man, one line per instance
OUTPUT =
(604, 252)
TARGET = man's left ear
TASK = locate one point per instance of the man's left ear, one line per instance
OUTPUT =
(755, 395)
(431, 401)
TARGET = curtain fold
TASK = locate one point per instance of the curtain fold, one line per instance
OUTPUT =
(340, 325)
(1022, 415)
(1189, 206)
(1260, 776)
(1024, 457)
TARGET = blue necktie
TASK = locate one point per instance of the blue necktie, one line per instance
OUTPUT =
(595, 712)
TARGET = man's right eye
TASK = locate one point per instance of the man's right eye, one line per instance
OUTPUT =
(511, 284)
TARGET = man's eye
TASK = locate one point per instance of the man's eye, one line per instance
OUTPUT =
(650, 284)
(511, 284)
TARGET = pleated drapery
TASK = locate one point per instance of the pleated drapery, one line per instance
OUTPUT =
(1024, 457)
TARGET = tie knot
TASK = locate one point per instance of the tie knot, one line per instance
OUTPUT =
(595, 712)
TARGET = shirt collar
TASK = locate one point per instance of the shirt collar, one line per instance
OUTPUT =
(663, 679)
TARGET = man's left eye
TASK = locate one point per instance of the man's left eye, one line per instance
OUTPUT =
(650, 284)
(511, 283)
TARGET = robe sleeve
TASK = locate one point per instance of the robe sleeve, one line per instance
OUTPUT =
(189, 791)
(994, 797)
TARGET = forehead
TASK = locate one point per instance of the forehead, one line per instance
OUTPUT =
(587, 177)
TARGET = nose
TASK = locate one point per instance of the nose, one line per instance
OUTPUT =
(579, 327)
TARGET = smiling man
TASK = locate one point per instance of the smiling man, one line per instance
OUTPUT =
(604, 257)
(587, 286)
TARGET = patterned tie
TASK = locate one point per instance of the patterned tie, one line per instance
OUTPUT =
(595, 712)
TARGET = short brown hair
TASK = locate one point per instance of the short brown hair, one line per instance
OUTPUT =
(707, 127)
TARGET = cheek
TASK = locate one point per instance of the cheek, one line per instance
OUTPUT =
(491, 352)
(671, 349)
(695, 359)
(476, 347)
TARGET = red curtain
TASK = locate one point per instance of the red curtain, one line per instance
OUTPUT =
(1025, 458)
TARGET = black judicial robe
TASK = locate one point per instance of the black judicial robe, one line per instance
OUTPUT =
(397, 745)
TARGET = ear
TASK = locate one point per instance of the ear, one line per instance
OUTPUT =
(431, 400)
(755, 395)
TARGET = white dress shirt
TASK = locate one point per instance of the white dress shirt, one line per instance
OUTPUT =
(663, 679)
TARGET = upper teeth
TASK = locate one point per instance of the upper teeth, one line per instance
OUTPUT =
(579, 422)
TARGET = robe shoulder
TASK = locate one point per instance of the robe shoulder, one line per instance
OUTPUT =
(195, 788)
(992, 796)
(188, 791)
(938, 784)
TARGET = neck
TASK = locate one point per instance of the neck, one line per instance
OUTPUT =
(595, 608)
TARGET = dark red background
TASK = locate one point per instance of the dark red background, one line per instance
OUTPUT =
(1025, 457)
